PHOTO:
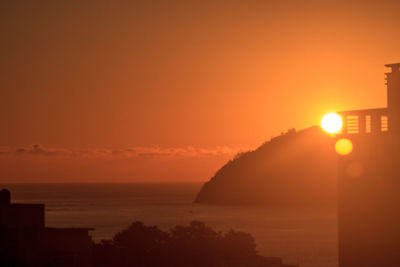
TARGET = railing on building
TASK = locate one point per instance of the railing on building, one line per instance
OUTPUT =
(365, 121)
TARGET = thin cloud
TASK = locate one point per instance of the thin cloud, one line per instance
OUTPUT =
(4, 151)
(38, 149)
(140, 152)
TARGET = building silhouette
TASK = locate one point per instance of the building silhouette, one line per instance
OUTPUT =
(25, 241)
(369, 183)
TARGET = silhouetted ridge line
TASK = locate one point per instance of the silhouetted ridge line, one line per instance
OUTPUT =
(296, 168)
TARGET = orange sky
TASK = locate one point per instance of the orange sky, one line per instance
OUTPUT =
(87, 81)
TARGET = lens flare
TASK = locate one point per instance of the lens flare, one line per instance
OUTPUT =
(332, 123)
(354, 169)
(343, 146)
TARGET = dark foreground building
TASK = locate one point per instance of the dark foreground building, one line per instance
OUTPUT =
(369, 183)
(25, 241)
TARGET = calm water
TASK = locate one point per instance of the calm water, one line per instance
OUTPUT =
(307, 236)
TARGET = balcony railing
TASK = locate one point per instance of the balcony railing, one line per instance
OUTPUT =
(365, 121)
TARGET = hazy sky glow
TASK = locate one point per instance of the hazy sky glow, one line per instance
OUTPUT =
(204, 78)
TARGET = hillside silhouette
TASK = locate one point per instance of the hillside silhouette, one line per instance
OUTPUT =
(295, 168)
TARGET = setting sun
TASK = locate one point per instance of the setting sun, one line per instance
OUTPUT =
(331, 123)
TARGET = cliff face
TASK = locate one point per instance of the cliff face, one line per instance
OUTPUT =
(297, 168)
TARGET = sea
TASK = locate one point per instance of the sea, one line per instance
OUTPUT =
(304, 236)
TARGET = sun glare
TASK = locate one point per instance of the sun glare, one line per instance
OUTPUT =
(332, 123)
(343, 146)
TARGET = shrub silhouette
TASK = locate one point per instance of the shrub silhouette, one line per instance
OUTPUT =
(193, 245)
(239, 245)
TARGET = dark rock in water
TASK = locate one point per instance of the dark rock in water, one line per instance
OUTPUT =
(296, 168)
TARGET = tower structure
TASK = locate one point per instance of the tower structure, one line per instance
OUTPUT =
(393, 96)
(369, 183)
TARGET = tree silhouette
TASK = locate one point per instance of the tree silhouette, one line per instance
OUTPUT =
(193, 245)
